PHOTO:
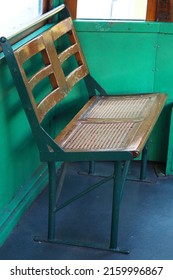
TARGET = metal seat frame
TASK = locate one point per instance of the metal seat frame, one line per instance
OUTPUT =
(51, 149)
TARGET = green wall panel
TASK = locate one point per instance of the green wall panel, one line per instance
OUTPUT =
(121, 55)
(164, 65)
(19, 156)
(122, 63)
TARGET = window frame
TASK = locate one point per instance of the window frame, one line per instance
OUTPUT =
(157, 10)
(14, 39)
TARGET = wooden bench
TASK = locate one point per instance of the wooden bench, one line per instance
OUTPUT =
(108, 128)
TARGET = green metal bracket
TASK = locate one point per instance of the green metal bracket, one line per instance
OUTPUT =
(118, 177)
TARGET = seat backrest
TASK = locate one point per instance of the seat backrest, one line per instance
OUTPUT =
(56, 57)
(46, 57)
(53, 60)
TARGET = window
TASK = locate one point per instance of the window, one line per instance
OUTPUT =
(112, 9)
(16, 14)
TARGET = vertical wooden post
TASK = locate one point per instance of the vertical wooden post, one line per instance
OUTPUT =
(72, 6)
(151, 10)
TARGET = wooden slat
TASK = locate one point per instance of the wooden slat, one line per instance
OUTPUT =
(49, 102)
(40, 75)
(53, 58)
(76, 75)
(68, 52)
(61, 28)
(79, 55)
(30, 49)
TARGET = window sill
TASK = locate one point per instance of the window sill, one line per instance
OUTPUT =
(116, 26)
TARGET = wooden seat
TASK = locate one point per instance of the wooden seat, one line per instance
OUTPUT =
(112, 123)
(108, 128)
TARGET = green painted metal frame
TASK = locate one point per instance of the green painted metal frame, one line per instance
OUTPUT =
(44, 140)
(118, 177)
(169, 167)
(143, 169)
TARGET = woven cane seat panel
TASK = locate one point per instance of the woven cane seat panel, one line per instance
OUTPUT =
(136, 107)
(99, 136)
(112, 123)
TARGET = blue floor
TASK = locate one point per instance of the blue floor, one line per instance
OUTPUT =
(145, 229)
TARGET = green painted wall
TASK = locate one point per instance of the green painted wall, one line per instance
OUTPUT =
(125, 57)
(17, 148)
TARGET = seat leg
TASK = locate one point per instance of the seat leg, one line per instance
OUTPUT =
(91, 168)
(124, 174)
(61, 179)
(52, 200)
(54, 191)
(143, 171)
(117, 194)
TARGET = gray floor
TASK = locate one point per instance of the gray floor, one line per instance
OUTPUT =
(146, 220)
